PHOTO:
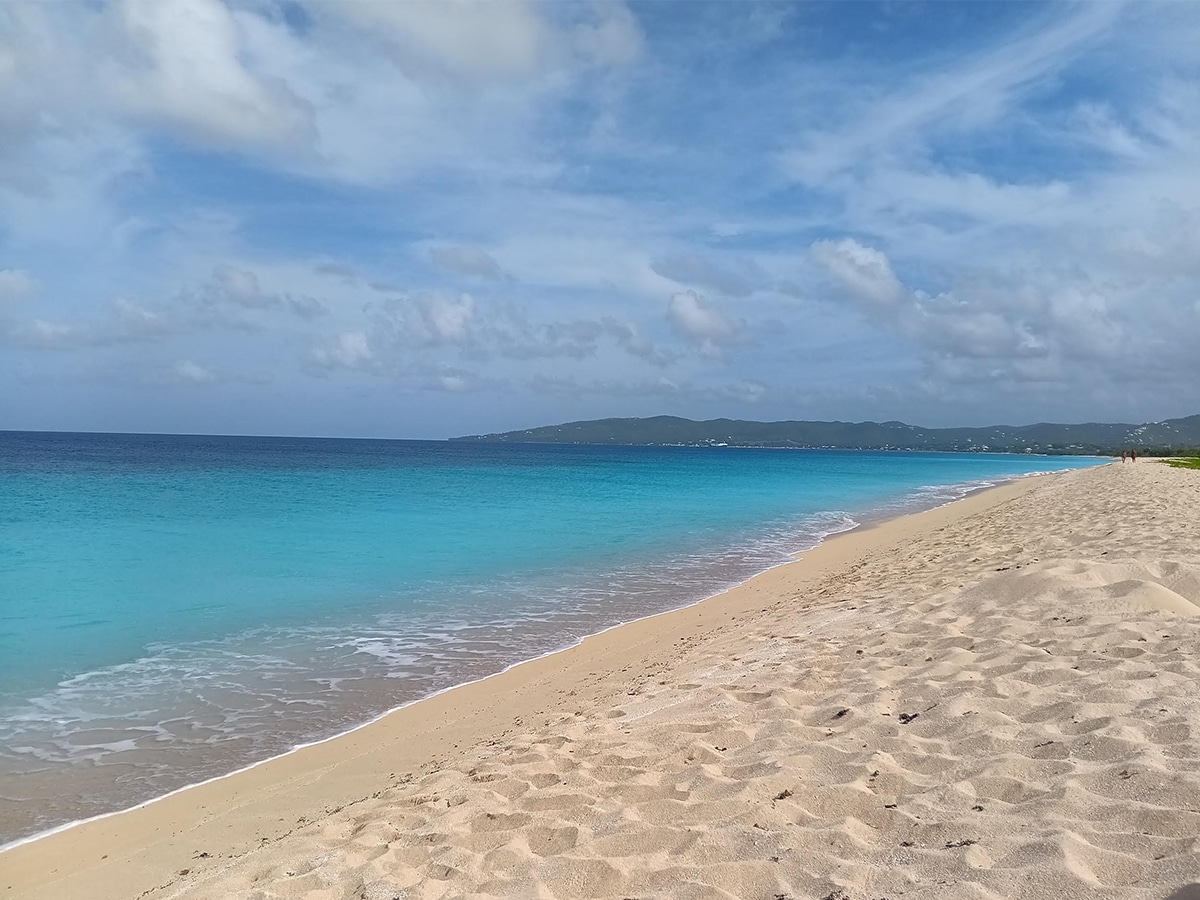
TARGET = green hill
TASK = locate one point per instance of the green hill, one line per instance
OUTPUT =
(1168, 437)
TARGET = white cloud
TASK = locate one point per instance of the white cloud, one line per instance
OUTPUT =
(349, 350)
(352, 351)
(239, 286)
(50, 334)
(695, 320)
(488, 40)
(423, 331)
(583, 243)
(1063, 329)
(930, 192)
(138, 320)
(188, 73)
(738, 280)
(16, 285)
(231, 299)
(231, 292)
(467, 38)
(631, 339)
(431, 320)
(454, 383)
(459, 84)
(863, 271)
(610, 36)
(965, 96)
(434, 319)
(188, 372)
(468, 261)
(745, 391)
(197, 160)
(125, 322)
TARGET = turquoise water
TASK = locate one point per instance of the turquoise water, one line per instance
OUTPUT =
(172, 608)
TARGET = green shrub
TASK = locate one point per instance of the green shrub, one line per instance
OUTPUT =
(1190, 463)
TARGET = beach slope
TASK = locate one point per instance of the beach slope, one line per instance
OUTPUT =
(999, 698)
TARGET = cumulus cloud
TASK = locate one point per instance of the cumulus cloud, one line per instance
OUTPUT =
(292, 85)
(231, 299)
(631, 339)
(187, 71)
(517, 147)
(124, 322)
(433, 325)
(352, 351)
(231, 290)
(348, 350)
(864, 271)
(429, 320)
(1054, 326)
(238, 286)
(697, 321)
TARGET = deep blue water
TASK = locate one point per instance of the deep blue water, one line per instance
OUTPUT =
(174, 607)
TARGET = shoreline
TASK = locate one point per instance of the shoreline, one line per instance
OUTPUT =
(794, 557)
(134, 830)
(866, 522)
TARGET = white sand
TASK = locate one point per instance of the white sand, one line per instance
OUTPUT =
(997, 700)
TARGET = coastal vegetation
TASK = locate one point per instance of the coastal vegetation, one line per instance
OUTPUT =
(1190, 462)
(1171, 437)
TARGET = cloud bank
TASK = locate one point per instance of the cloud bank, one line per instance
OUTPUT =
(426, 218)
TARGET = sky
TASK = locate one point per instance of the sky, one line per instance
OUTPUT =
(426, 219)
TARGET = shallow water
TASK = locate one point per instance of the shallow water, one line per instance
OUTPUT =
(173, 608)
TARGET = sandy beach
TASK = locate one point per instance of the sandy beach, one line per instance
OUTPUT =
(998, 698)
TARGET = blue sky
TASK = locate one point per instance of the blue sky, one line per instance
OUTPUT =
(427, 219)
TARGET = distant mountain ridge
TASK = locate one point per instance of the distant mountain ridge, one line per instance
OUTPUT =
(1169, 436)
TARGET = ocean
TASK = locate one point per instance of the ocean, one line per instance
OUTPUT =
(173, 608)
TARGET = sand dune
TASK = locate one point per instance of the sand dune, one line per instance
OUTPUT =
(995, 705)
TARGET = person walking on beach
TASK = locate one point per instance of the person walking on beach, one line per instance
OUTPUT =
(1123, 456)
(1133, 456)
